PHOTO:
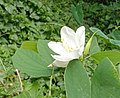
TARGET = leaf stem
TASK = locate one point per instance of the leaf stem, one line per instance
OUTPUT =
(51, 77)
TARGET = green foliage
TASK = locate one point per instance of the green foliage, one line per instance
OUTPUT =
(103, 16)
(105, 81)
(32, 92)
(22, 20)
(28, 20)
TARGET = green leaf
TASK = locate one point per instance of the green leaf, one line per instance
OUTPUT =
(94, 48)
(44, 51)
(31, 45)
(105, 81)
(77, 82)
(88, 45)
(114, 56)
(115, 42)
(31, 63)
(78, 13)
(98, 32)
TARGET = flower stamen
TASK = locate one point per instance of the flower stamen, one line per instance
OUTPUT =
(67, 47)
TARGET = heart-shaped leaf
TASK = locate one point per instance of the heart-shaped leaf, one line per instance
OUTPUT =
(31, 63)
(105, 81)
(77, 82)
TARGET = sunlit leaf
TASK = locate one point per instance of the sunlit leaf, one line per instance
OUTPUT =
(30, 45)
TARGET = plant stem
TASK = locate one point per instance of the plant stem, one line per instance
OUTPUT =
(51, 77)
(21, 87)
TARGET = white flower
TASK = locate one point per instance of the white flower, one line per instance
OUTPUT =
(71, 46)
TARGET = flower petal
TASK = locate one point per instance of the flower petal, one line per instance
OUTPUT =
(67, 57)
(80, 38)
(75, 54)
(68, 37)
(66, 31)
(57, 47)
(61, 58)
(60, 63)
